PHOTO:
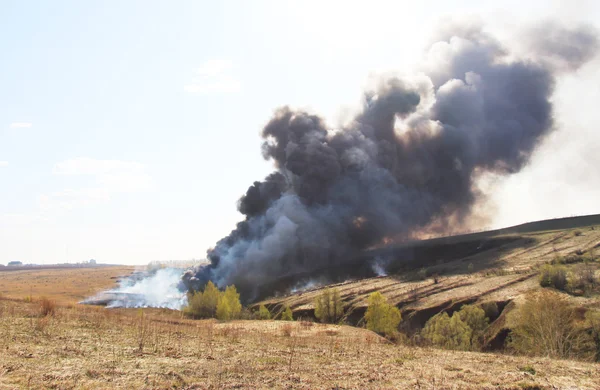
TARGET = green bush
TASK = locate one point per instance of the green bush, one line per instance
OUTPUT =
(205, 304)
(553, 276)
(194, 307)
(229, 306)
(491, 309)
(448, 332)
(287, 314)
(223, 310)
(382, 317)
(264, 313)
(475, 319)
(329, 306)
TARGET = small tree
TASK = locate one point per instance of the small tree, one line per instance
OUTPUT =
(475, 318)
(194, 307)
(204, 304)
(380, 316)
(223, 310)
(448, 332)
(287, 314)
(546, 326)
(233, 300)
(210, 298)
(229, 306)
(329, 306)
(263, 313)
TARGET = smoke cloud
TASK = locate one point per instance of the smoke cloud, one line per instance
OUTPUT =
(154, 288)
(408, 162)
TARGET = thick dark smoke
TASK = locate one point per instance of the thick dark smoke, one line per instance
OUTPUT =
(407, 163)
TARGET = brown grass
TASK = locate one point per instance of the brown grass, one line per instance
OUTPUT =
(47, 307)
(90, 347)
(508, 270)
(67, 285)
(286, 330)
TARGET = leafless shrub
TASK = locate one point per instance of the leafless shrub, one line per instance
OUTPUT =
(553, 276)
(413, 292)
(47, 307)
(286, 330)
(546, 325)
(142, 331)
(42, 323)
(292, 352)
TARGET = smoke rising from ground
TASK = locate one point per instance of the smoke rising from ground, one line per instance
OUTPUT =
(155, 288)
(408, 163)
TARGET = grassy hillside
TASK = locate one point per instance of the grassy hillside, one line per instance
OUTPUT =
(428, 277)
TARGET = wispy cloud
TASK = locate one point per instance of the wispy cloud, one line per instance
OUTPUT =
(110, 177)
(214, 77)
(3, 164)
(20, 125)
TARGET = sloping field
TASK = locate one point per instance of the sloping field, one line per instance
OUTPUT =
(442, 274)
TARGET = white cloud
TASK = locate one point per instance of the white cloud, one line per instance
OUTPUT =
(21, 125)
(110, 177)
(214, 77)
(3, 164)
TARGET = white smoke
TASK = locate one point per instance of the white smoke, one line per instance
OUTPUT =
(378, 266)
(160, 288)
(305, 286)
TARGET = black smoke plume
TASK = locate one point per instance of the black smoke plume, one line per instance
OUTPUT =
(409, 161)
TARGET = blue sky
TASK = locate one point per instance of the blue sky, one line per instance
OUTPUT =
(129, 129)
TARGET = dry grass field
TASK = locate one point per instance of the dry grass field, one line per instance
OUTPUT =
(496, 269)
(64, 285)
(88, 347)
(84, 347)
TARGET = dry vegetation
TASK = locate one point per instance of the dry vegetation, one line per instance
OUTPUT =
(490, 272)
(47, 340)
(93, 348)
(64, 285)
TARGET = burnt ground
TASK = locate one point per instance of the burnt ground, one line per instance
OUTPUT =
(427, 277)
